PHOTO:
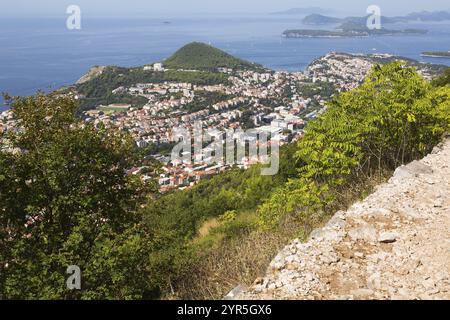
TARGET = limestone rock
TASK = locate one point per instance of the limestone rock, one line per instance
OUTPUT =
(388, 237)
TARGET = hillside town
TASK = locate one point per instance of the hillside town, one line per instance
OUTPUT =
(278, 103)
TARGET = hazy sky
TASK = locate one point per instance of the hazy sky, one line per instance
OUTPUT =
(140, 8)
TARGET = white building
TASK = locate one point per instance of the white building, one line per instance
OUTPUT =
(158, 67)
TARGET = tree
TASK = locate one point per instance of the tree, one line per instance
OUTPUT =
(65, 200)
(443, 79)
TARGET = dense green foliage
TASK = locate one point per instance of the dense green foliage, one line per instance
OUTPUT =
(238, 190)
(99, 89)
(157, 148)
(200, 56)
(443, 79)
(123, 98)
(309, 90)
(65, 200)
(318, 19)
(393, 118)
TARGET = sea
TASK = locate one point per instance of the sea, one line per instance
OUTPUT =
(42, 54)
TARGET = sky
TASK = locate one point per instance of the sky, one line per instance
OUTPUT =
(152, 8)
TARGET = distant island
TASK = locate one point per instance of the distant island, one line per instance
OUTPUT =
(319, 19)
(357, 26)
(302, 11)
(436, 54)
(426, 16)
(349, 29)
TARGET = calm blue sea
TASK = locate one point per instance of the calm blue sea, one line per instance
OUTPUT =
(41, 54)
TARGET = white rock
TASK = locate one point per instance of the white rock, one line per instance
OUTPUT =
(388, 237)
(365, 232)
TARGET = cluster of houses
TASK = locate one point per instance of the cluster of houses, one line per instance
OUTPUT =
(166, 110)
(345, 71)
(247, 93)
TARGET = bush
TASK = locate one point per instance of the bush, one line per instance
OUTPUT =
(65, 200)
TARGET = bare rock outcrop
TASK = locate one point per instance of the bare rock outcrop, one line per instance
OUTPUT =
(92, 73)
(393, 245)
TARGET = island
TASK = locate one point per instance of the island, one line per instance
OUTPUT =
(351, 27)
(436, 54)
(346, 30)
(319, 19)
(425, 16)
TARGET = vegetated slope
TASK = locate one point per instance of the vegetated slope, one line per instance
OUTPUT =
(393, 245)
(200, 56)
(98, 90)
(318, 19)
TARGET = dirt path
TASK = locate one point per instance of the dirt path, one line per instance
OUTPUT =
(393, 245)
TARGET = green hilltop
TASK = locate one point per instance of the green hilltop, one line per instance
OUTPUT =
(200, 56)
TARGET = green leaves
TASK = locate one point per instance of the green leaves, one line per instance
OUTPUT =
(393, 118)
(443, 80)
(63, 195)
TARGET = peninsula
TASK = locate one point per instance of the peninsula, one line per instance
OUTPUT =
(436, 54)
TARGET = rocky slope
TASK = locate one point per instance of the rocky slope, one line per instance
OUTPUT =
(393, 245)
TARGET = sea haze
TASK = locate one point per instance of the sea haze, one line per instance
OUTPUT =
(44, 55)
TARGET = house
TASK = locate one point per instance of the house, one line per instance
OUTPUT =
(158, 67)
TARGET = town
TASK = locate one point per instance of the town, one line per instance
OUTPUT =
(276, 102)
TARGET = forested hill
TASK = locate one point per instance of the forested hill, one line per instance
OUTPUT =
(200, 56)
